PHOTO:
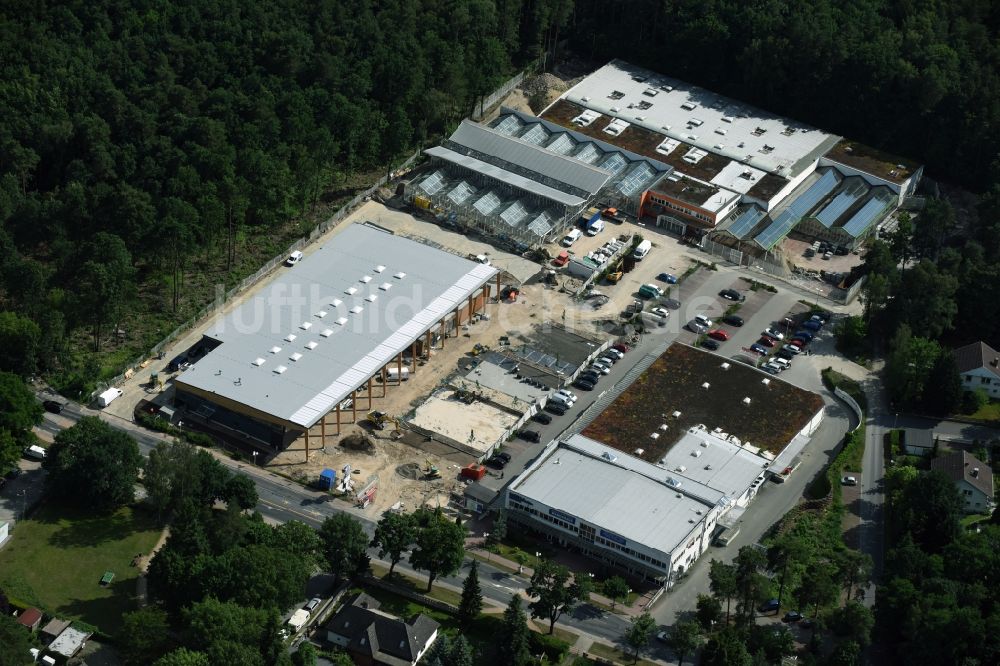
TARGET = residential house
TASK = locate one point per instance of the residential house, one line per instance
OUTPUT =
(979, 368)
(69, 642)
(52, 629)
(30, 618)
(372, 636)
(972, 477)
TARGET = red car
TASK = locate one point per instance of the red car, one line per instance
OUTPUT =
(766, 341)
(621, 346)
(799, 342)
(562, 259)
(718, 334)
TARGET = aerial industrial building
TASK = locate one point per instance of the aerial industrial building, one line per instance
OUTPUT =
(356, 312)
(680, 454)
(686, 158)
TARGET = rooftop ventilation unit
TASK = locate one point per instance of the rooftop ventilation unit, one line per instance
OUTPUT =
(306, 325)
(610, 457)
(704, 444)
(680, 468)
(385, 286)
(357, 309)
(765, 381)
(336, 302)
(312, 344)
(371, 298)
(720, 131)
(258, 362)
(366, 279)
(280, 369)
(746, 401)
(696, 453)
(615, 109)
(351, 291)
(295, 356)
(652, 92)
(327, 332)
(275, 350)
(655, 435)
(689, 106)
(341, 320)
(639, 452)
(320, 314)
(727, 119)
(379, 268)
(663, 426)
(676, 414)
(725, 366)
(400, 275)
(696, 122)
(290, 337)
(705, 385)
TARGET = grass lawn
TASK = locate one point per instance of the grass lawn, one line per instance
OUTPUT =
(56, 559)
(417, 585)
(988, 412)
(832, 379)
(615, 654)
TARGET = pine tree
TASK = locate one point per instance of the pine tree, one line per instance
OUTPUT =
(472, 597)
(513, 647)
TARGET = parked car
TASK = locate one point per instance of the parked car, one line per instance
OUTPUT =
(662, 313)
(792, 616)
(602, 368)
(294, 258)
(849, 481)
(792, 349)
(696, 327)
(769, 606)
(718, 334)
(584, 383)
(503, 455)
(620, 347)
(667, 277)
(777, 366)
(758, 349)
(709, 343)
(614, 352)
(772, 333)
(312, 604)
(732, 295)
(530, 436)
(496, 462)
(663, 636)
(650, 291)
(785, 355)
(766, 341)
(703, 320)
(804, 335)
(53, 406)
(561, 259)
(733, 320)
(812, 325)
(769, 369)
(569, 395)
(541, 417)
(798, 342)
(557, 408)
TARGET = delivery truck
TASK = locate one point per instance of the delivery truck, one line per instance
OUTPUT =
(108, 397)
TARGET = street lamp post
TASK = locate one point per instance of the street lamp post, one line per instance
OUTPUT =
(486, 545)
(255, 457)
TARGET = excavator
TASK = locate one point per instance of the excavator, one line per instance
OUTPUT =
(380, 419)
(431, 471)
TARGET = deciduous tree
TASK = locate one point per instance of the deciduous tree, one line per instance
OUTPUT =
(145, 635)
(93, 464)
(639, 631)
(440, 546)
(394, 534)
(553, 591)
(684, 638)
(345, 545)
(616, 588)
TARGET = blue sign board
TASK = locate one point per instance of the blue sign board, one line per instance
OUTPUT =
(562, 515)
(518, 498)
(611, 536)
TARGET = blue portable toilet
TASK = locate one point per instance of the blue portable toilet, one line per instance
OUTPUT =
(327, 479)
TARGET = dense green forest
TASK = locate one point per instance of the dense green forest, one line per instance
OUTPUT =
(151, 150)
(918, 77)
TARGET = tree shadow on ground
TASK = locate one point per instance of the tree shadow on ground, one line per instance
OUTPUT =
(91, 529)
(105, 613)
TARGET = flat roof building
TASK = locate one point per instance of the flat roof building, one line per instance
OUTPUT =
(345, 314)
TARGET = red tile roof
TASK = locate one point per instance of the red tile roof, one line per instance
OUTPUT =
(30, 617)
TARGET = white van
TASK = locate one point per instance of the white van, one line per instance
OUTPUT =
(393, 374)
(36, 452)
(572, 237)
(595, 227)
(294, 258)
(642, 249)
(108, 397)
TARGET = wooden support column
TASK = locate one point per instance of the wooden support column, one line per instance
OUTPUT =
(322, 425)
(442, 334)
(413, 357)
(383, 381)
(354, 406)
(469, 308)
(399, 369)
(307, 444)
(338, 418)
(498, 285)
(427, 345)
(370, 380)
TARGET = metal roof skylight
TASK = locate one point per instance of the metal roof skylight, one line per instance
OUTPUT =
(306, 325)
(258, 361)
(280, 369)
(312, 344)
(290, 337)
(295, 356)
(275, 350)
(326, 332)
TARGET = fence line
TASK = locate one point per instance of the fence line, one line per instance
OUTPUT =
(852, 403)
(487, 102)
